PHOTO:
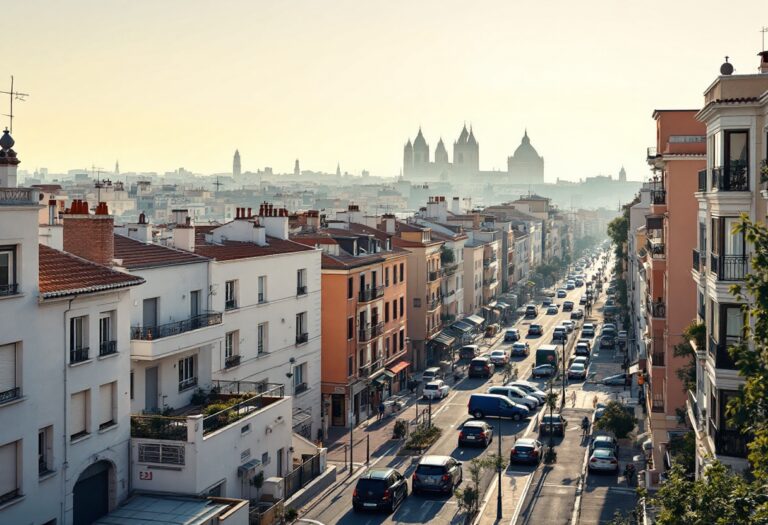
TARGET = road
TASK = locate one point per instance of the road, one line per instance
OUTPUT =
(449, 414)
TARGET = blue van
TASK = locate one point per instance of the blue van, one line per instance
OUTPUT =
(495, 405)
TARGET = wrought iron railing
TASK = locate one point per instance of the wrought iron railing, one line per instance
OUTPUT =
(370, 331)
(242, 409)
(657, 358)
(232, 360)
(302, 338)
(186, 384)
(107, 348)
(721, 355)
(729, 267)
(702, 180)
(301, 476)
(370, 294)
(433, 276)
(149, 333)
(9, 289)
(731, 178)
(78, 355)
(656, 248)
(10, 395)
(658, 197)
(230, 304)
(434, 303)
(657, 308)
(301, 387)
(301, 290)
(696, 260)
(731, 443)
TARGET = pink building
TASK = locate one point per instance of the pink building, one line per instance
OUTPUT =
(671, 228)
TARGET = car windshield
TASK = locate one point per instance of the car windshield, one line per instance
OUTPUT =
(497, 353)
(430, 470)
(577, 366)
(430, 386)
(551, 419)
(603, 453)
(518, 345)
(523, 448)
(472, 430)
(374, 486)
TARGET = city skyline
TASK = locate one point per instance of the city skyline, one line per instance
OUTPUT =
(346, 84)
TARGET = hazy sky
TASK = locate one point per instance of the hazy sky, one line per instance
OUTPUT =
(160, 84)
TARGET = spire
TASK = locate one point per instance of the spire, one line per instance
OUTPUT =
(117, 167)
(338, 169)
(464, 135)
(526, 140)
(236, 164)
(296, 168)
(419, 141)
(471, 140)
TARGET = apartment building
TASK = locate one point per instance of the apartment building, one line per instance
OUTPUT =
(735, 114)
(636, 274)
(64, 362)
(474, 252)
(670, 303)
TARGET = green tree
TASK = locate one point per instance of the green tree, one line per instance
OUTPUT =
(617, 420)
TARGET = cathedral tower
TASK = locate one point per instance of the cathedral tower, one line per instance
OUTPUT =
(236, 164)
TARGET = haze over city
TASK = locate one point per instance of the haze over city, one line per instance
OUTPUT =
(159, 85)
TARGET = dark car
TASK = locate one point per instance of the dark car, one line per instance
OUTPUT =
(379, 489)
(531, 311)
(475, 432)
(436, 474)
(583, 300)
(543, 371)
(546, 302)
(511, 335)
(577, 314)
(567, 306)
(554, 424)
(481, 367)
(535, 329)
(561, 293)
(607, 341)
(582, 348)
(468, 351)
(520, 349)
(526, 450)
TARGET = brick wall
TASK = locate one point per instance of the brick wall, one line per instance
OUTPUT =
(90, 237)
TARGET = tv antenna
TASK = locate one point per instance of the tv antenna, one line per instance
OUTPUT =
(16, 95)
(218, 184)
(763, 30)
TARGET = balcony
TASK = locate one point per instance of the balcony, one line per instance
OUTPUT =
(490, 282)
(695, 416)
(19, 196)
(719, 352)
(657, 358)
(302, 290)
(78, 355)
(730, 178)
(659, 197)
(107, 348)
(657, 404)
(230, 304)
(651, 153)
(156, 342)
(370, 331)
(731, 443)
(433, 276)
(450, 269)
(656, 248)
(300, 388)
(302, 338)
(702, 181)
(447, 318)
(9, 289)
(10, 395)
(657, 309)
(729, 267)
(370, 294)
(433, 304)
(696, 260)
(232, 360)
(489, 262)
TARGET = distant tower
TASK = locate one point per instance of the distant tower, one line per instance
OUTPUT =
(236, 164)
(460, 147)
(441, 154)
(473, 152)
(117, 167)
(296, 169)
(408, 158)
(622, 175)
(338, 169)
(420, 154)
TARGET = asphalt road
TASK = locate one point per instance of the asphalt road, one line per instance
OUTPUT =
(449, 414)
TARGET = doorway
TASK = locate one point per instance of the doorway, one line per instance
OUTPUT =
(91, 494)
(337, 410)
(150, 390)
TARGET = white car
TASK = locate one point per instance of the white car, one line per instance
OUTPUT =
(588, 330)
(577, 371)
(531, 389)
(436, 389)
(569, 325)
(516, 395)
(584, 360)
(499, 357)
(603, 459)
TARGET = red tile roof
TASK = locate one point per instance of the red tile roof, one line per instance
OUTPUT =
(63, 274)
(232, 250)
(137, 255)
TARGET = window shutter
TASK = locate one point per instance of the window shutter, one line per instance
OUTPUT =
(105, 397)
(77, 414)
(7, 367)
(8, 468)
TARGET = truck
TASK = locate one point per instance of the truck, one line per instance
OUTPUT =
(548, 354)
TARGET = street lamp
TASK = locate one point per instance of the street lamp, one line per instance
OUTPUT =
(498, 468)
(565, 336)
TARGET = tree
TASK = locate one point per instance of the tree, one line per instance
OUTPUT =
(687, 373)
(617, 420)
(468, 497)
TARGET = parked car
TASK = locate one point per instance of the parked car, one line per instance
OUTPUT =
(570, 285)
(610, 301)
(468, 351)
(379, 489)
(567, 306)
(607, 341)
(561, 293)
(554, 424)
(511, 335)
(560, 333)
(622, 338)
(475, 432)
(604, 460)
(499, 358)
(546, 302)
(526, 450)
(430, 374)
(480, 367)
(529, 388)
(582, 349)
(544, 370)
(436, 389)
(604, 441)
(617, 380)
(516, 395)
(552, 310)
(495, 405)
(577, 371)
(583, 300)
(577, 314)
(569, 325)
(599, 410)
(531, 311)
(436, 474)
(521, 349)
(588, 330)
(535, 329)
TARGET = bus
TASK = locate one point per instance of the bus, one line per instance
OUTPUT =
(548, 354)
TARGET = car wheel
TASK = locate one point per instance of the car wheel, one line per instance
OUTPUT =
(478, 414)
(516, 417)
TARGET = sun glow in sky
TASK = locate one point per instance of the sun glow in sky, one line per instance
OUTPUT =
(163, 84)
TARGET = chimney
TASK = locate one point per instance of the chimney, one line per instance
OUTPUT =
(456, 206)
(184, 236)
(763, 61)
(8, 161)
(180, 216)
(51, 212)
(313, 219)
(389, 223)
(275, 221)
(89, 236)
(354, 215)
(141, 231)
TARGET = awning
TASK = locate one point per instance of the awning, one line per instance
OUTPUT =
(461, 326)
(634, 369)
(491, 304)
(503, 306)
(383, 377)
(399, 367)
(475, 320)
(443, 339)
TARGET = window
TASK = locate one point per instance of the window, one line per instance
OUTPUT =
(107, 344)
(301, 328)
(394, 342)
(402, 339)
(394, 309)
(350, 328)
(78, 339)
(231, 349)
(386, 276)
(417, 302)
(107, 401)
(262, 289)
(402, 306)
(386, 312)
(187, 373)
(194, 303)
(9, 387)
(79, 411)
(394, 274)
(45, 451)
(8, 285)
(350, 288)
(402, 272)
(350, 366)
(734, 325)
(9, 471)
(386, 347)
(299, 378)
(131, 384)
(301, 282)
(230, 295)
(149, 312)
(261, 333)
(265, 458)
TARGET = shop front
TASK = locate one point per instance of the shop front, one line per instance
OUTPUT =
(439, 348)
(400, 378)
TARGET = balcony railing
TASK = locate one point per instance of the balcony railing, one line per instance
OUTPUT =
(149, 333)
(433, 276)
(186, 384)
(301, 387)
(230, 304)
(731, 443)
(720, 354)
(107, 348)
(657, 358)
(658, 197)
(78, 355)
(656, 248)
(702, 180)
(302, 338)
(370, 331)
(19, 196)
(729, 267)
(652, 152)
(10, 395)
(731, 178)
(490, 282)
(301, 290)
(232, 360)
(159, 427)
(696, 260)
(657, 309)
(694, 412)
(240, 410)
(433, 304)
(9, 289)
(657, 404)
(364, 371)
(447, 318)
(370, 294)
(450, 269)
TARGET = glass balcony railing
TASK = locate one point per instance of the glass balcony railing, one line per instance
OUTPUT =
(731, 178)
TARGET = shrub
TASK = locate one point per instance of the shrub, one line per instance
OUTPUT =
(617, 420)
(400, 429)
(423, 437)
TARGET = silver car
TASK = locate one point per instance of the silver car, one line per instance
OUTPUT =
(436, 474)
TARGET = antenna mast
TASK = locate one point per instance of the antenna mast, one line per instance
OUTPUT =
(11, 96)
(763, 30)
